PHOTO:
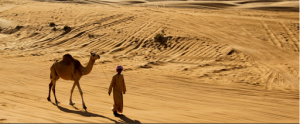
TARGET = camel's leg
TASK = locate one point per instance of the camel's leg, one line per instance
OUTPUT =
(53, 89)
(80, 91)
(50, 85)
(71, 103)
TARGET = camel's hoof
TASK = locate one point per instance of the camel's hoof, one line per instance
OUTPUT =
(84, 107)
(71, 103)
(48, 99)
(57, 102)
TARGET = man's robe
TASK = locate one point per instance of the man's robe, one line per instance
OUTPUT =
(118, 86)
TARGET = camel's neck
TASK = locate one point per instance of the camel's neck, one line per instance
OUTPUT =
(86, 70)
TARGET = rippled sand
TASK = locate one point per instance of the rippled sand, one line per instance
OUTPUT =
(215, 62)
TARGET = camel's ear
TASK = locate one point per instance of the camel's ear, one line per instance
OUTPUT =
(93, 54)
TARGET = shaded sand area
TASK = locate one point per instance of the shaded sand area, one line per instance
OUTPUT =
(210, 65)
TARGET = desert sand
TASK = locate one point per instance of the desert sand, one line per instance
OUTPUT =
(215, 62)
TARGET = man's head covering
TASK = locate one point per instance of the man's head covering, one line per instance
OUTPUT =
(119, 67)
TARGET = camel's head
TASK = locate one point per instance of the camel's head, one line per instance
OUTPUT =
(95, 56)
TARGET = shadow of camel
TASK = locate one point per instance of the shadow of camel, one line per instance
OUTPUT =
(125, 119)
(84, 113)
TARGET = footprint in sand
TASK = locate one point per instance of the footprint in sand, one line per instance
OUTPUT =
(2, 119)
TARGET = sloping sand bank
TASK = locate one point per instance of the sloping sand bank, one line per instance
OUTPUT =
(219, 64)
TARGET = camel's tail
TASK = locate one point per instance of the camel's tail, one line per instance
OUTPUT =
(52, 69)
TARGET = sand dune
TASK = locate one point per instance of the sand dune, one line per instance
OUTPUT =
(269, 5)
(216, 61)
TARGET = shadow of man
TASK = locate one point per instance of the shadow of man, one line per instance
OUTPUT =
(125, 119)
(84, 113)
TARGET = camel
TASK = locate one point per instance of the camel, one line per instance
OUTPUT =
(70, 69)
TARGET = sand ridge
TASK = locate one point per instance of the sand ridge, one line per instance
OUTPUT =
(269, 5)
(234, 64)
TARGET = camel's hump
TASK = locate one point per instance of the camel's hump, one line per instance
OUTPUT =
(68, 57)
